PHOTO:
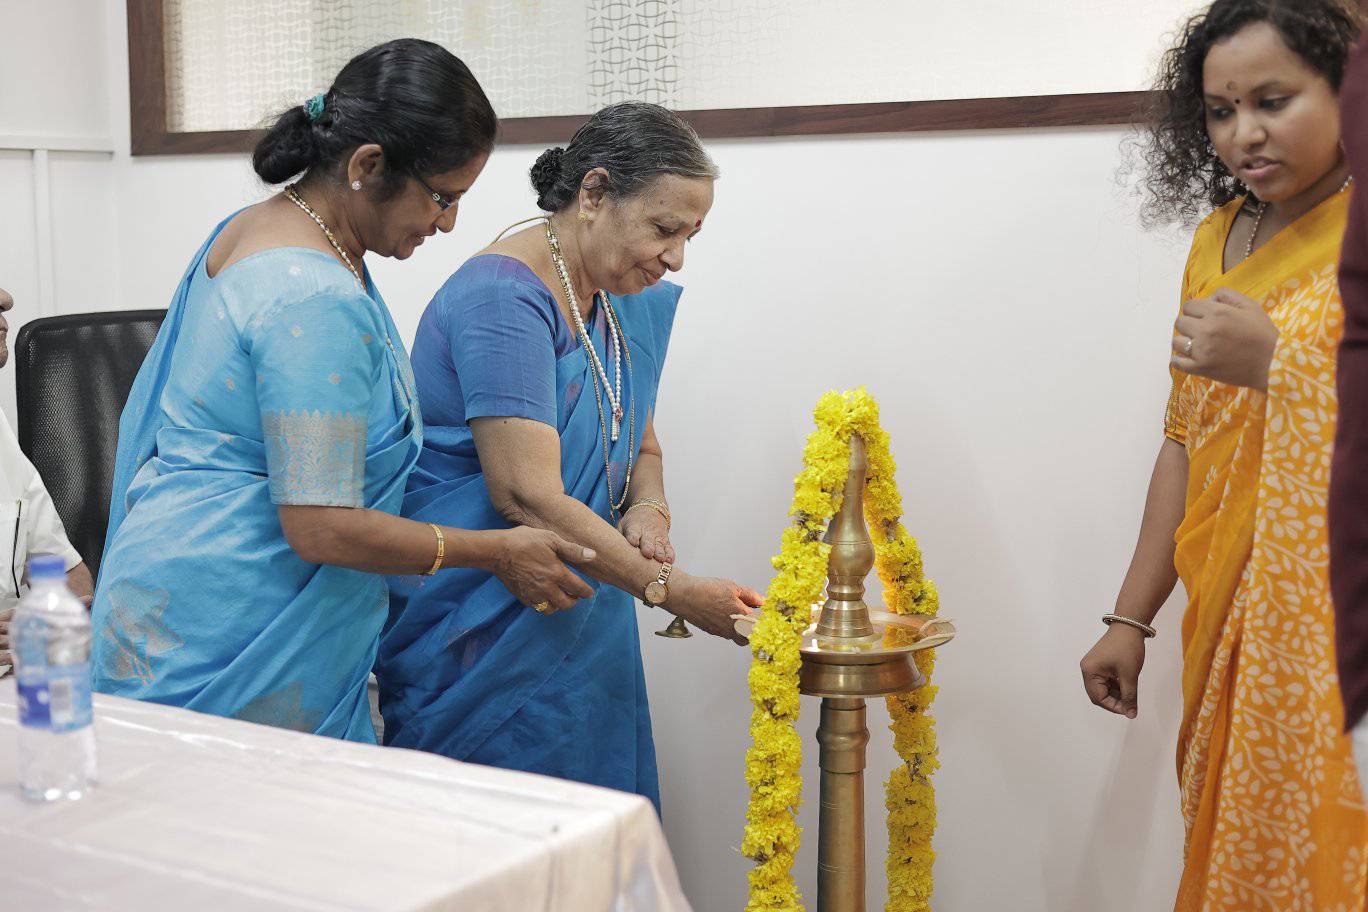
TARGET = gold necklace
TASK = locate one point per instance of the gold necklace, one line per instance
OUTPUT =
(519, 224)
(615, 328)
(1259, 214)
(293, 196)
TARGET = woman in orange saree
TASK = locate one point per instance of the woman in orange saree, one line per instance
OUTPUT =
(1236, 510)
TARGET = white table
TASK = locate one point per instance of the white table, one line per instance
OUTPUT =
(194, 812)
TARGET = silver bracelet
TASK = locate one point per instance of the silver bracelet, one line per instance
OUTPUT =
(1141, 626)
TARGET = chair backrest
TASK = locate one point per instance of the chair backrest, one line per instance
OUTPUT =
(72, 377)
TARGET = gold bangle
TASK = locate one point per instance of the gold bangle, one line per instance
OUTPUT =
(658, 505)
(441, 550)
(1141, 626)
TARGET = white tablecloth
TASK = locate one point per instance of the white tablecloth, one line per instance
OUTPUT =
(199, 813)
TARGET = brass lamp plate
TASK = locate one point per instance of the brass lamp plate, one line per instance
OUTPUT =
(863, 668)
(933, 632)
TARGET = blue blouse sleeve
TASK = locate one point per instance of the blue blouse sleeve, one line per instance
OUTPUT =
(502, 336)
(319, 362)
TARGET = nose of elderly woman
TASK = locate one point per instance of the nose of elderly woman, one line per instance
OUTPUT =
(673, 257)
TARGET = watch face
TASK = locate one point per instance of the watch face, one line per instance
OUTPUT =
(655, 592)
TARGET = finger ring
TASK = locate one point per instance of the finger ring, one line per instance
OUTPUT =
(1187, 349)
(543, 607)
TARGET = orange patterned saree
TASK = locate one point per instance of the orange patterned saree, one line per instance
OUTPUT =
(1273, 814)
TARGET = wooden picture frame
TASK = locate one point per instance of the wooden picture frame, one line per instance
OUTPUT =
(150, 136)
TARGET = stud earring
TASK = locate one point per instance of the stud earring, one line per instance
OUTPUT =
(583, 216)
(356, 185)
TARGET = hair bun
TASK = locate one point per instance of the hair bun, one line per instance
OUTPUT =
(288, 148)
(546, 172)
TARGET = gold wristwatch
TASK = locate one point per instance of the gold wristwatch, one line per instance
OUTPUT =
(655, 590)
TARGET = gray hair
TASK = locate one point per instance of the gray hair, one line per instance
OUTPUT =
(634, 142)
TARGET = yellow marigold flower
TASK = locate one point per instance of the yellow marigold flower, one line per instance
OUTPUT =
(774, 760)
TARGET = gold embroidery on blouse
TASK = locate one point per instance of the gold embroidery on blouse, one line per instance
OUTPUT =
(315, 458)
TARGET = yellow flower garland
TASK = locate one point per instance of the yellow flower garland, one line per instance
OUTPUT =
(774, 760)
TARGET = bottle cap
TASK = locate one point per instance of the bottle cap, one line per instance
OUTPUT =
(46, 566)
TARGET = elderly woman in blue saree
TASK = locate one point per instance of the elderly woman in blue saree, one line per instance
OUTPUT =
(538, 364)
(267, 440)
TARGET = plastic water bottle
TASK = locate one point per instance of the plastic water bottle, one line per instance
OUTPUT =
(51, 641)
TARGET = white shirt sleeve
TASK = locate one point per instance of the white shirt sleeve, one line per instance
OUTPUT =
(46, 535)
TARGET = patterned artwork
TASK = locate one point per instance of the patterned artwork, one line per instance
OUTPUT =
(233, 65)
(730, 50)
(633, 51)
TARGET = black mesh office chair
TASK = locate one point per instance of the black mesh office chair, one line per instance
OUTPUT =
(72, 377)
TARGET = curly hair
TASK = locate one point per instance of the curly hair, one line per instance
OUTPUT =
(1184, 176)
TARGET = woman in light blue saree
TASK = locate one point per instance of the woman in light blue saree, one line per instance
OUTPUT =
(538, 364)
(267, 440)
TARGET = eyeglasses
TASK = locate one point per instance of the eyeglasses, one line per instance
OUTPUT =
(443, 204)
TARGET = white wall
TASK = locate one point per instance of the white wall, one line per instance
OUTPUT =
(994, 291)
(57, 103)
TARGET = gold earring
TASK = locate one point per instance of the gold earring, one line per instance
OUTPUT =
(583, 216)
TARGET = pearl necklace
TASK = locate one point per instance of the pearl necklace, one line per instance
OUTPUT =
(619, 339)
(1259, 214)
(293, 196)
(614, 391)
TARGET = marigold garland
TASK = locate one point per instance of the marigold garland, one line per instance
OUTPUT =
(774, 760)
